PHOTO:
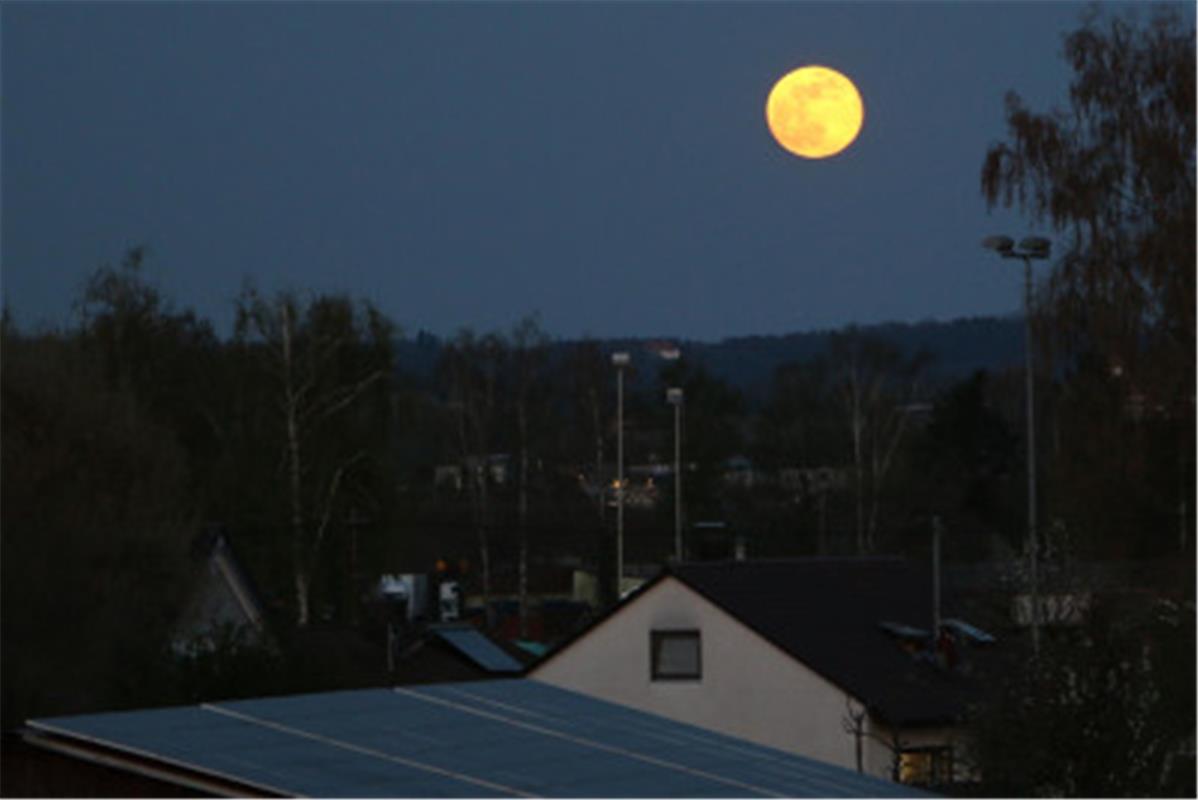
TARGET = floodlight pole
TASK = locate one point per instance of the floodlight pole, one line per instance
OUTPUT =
(620, 360)
(1032, 441)
(1032, 534)
(674, 398)
(935, 584)
(1030, 248)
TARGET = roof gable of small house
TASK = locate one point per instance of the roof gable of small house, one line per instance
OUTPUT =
(836, 617)
(223, 597)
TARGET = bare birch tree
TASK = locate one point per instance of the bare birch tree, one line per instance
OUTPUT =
(856, 723)
(308, 349)
(877, 386)
(529, 348)
(588, 373)
(472, 366)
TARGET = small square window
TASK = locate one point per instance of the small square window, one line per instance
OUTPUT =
(675, 655)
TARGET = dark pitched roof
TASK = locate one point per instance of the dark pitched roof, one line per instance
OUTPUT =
(826, 613)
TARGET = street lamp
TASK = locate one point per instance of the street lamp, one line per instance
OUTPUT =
(1037, 248)
(674, 398)
(620, 361)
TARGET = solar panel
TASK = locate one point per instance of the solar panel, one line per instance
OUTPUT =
(904, 631)
(970, 631)
(471, 643)
(478, 739)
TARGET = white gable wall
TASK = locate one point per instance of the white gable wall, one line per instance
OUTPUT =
(749, 687)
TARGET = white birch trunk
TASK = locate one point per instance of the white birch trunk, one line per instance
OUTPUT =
(858, 432)
(291, 419)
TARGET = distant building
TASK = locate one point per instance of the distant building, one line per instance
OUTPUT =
(1069, 591)
(664, 349)
(740, 472)
(223, 602)
(496, 467)
(812, 482)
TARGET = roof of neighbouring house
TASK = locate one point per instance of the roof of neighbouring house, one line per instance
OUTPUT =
(478, 739)
(476, 646)
(838, 617)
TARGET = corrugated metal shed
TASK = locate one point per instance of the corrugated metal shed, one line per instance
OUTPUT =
(479, 739)
(471, 643)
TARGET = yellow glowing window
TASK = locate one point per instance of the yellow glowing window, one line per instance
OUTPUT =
(926, 766)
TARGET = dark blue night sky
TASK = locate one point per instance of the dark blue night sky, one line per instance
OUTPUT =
(464, 164)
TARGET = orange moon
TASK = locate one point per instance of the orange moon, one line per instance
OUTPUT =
(814, 112)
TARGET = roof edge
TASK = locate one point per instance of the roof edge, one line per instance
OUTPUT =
(595, 623)
(146, 766)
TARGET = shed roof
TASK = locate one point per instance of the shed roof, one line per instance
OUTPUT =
(477, 647)
(478, 739)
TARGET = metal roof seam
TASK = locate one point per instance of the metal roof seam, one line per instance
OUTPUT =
(407, 762)
(505, 706)
(592, 743)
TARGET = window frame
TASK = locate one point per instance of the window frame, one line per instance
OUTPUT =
(657, 637)
(940, 770)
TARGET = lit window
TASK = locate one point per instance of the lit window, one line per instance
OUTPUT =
(926, 766)
(675, 655)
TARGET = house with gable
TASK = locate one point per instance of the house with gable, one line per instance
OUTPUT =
(827, 658)
(223, 600)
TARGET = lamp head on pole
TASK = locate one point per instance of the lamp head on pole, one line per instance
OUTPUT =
(620, 359)
(674, 396)
(999, 244)
(1035, 247)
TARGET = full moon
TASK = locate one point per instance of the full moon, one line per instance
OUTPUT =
(814, 112)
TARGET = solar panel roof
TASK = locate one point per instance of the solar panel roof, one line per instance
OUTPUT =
(471, 642)
(478, 739)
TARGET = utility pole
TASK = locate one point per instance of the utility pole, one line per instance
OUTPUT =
(620, 360)
(935, 582)
(674, 398)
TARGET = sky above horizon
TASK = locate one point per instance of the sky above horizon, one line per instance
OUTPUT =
(604, 165)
